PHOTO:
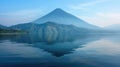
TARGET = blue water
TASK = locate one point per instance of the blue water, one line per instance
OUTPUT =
(84, 51)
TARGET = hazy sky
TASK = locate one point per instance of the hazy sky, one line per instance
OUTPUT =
(98, 12)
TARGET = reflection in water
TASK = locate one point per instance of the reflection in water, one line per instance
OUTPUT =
(102, 51)
(58, 47)
(114, 38)
(80, 51)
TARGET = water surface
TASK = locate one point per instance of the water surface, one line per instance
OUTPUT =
(83, 51)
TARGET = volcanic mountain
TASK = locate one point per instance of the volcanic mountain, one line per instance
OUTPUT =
(62, 17)
(58, 25)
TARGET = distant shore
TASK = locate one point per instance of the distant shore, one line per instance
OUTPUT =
(12, 33)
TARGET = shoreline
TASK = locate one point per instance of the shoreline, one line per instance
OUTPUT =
(12, 33)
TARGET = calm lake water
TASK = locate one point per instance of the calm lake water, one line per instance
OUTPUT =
(83, 51)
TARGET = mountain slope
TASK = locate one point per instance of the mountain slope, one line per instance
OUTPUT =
(2, 27)
(62, 17)
(51, 31)
(36, 27)
(25, 26)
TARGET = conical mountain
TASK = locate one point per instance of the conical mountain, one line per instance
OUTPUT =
(62, 17)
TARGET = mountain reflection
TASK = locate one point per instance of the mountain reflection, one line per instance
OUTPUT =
(57, 47)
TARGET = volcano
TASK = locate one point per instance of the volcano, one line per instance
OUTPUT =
(62, 17)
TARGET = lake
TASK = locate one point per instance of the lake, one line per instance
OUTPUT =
(83, 51)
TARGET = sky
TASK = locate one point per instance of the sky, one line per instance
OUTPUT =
(97, 12)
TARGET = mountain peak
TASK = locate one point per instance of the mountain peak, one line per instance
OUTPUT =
(62, 17)
(58, 10)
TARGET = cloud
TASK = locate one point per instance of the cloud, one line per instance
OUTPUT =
(109, 15)
(83, 6)
(103, 19)
(97, 15)
(21, 16)
(93, 3)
